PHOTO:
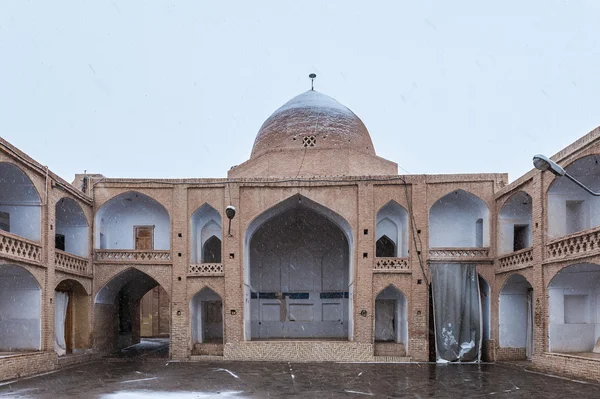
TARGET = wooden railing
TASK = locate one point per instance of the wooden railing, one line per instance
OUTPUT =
(460, 254)
(206, 269)
(521, 258)
(14, 246)
(391, 265)
(72, 263)
(581, 243)
(132, 256)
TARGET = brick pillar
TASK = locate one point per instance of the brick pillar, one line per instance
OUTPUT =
(233, 300)
(48, 234)
(418, 316)
(179, 339)
(363, 271)
(539, 226)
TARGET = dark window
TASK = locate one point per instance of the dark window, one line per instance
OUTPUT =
(59, 241)
(211, 251)
(5, 221)
(385, 248)
(521, 237)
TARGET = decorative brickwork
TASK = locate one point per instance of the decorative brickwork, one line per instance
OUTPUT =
(72, 263)
(20, 248)
(517, 259)
(132, 256)
(206, 269)
(463, 254)
(585, 242)
(391, 265)
(299, 351)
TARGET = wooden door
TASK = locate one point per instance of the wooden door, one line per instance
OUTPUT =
(144, 237)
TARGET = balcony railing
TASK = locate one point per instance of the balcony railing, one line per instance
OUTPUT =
(578, 244)
(206, 269)
(14, 246)
(460, 254)
(391, 265)
(132, 256)
(72, 263)
(522, 258)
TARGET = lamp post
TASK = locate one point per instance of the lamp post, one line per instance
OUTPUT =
(544, 163)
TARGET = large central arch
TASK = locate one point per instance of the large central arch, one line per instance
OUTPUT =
(298, 273)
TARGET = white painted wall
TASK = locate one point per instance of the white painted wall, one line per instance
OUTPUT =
(205, 222)
(513, 312)
(516, 211)
(453, 219)
(196, 313)
(565, 336)
(392, 221)
(401, 316)
(20, 310)
(117, 218)
(19, 198)
(71, 221)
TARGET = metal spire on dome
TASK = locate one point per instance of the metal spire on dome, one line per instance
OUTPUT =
(312, 77)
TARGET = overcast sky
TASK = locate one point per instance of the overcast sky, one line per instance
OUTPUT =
(180, 88)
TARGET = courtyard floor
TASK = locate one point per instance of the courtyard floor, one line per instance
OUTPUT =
(156, 378)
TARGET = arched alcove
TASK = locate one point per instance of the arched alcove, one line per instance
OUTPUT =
(573, 306)
(516, 315)
(514, 224)
(133, 221)
(71, 317)
(298, 273)
(570, 208)
(459, 220)
(20, 205)
(391, 323)
(392, 223)
(206, 318)
(20, 310)
(71, 228)
(205, 227)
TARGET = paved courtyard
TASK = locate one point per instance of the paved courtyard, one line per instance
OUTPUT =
(156, 378)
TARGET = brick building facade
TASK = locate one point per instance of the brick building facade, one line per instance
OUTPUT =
(327, 258)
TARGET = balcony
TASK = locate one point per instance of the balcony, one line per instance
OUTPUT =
(575, 245)
(391, 265)
(460, 255)
(206, 269)
(72, 263)
(19, 248)
(128, 256)
(516, 260)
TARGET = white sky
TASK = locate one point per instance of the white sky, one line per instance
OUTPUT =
(180, 88)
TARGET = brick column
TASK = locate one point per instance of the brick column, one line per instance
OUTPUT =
(233, 301)
(48, 234)
(539, 226)
(363, 271)
(179, 338)
(418, 316)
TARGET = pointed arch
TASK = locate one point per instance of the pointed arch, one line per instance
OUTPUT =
(205, 223)
(392, 222)
(71, 316)
(72, 229)
(514, 223)
(391, 320)
(206, 318)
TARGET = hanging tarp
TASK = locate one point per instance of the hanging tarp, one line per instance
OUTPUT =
(61, 301)
(457, 312)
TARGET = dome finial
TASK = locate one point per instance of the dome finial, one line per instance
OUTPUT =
(312, 77)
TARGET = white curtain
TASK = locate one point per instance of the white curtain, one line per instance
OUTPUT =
(61, 300)
(529, 342)
(457, 312)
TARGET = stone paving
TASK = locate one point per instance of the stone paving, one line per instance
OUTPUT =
(157, 378)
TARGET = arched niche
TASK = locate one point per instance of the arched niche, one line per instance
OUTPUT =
(516, 314)
(71, 228)
(20, 310)
(391, 323)
(573, 306)
(297, 271)
(206, 224)
(570, 208)
(20, 205)
(133, 220)
(117, 320)
(71, 317)
(459, 220)
(206, 318)
(392, 223)
(514, 224)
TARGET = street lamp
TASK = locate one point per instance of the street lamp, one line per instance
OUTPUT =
(544, 163)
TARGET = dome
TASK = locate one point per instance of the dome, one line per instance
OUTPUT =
(312, 119)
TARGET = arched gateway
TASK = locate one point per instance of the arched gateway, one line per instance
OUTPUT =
(297, 273)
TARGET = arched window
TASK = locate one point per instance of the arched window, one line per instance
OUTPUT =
(206, 226)
(385, 248)
(211, 251)
(392, 223)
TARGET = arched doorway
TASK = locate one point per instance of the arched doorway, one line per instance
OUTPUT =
(20, 310)
(391, 324)
(211, 250)
(516, 317)
(71, 317)
(298, 273)
(573, 295)
(117, 323)
(206, 317)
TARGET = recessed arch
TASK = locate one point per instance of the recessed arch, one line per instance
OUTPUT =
(71, 317)
(391, 319)
(385, 247)
(20, 310)
(514, 223)
(570, 208)
(392, 222)
(516, 315)
(459, 220)
(20, 204)
(287, 234)
(206, 318)
(118, 218)
(205, 223)
(72, 229)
